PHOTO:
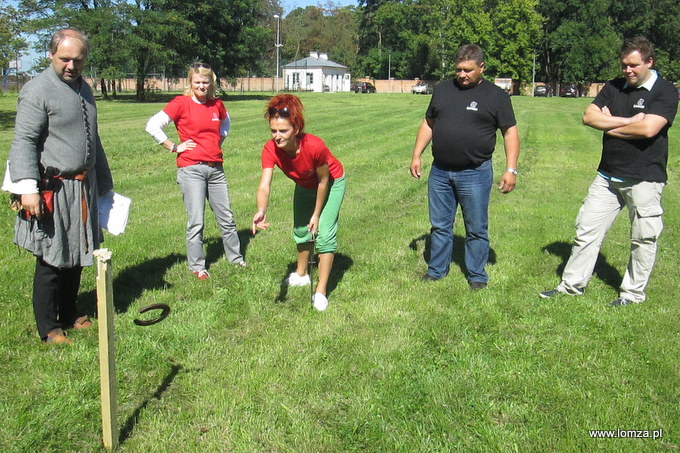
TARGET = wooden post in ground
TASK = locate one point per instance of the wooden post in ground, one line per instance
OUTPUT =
(107, 356)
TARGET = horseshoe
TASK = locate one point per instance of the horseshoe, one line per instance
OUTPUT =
(164, 314)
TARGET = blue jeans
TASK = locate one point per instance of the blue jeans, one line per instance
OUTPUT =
(471, 189)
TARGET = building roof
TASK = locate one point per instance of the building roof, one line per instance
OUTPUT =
(314, 60)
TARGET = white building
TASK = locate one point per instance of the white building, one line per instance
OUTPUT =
(316, 73)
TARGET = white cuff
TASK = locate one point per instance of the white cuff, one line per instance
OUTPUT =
(21, 187)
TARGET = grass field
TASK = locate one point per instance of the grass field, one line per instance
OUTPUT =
(394, 364)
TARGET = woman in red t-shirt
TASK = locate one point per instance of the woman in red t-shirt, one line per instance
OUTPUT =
(202, 124)
(319, 190)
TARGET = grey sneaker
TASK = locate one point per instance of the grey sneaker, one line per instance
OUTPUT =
(622, 301)
(555, 292)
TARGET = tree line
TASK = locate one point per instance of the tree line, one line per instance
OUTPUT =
(572, 41)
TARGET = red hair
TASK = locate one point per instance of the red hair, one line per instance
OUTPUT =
(294, 106)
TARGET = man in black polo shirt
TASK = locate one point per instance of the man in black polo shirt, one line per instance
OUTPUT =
(461, 122)
(635, 113)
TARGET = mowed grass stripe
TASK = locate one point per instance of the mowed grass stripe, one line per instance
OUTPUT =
(394, 364)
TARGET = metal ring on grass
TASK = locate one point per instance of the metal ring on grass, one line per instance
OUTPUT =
(164, 314)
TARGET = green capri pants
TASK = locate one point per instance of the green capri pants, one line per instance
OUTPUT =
(303, 207)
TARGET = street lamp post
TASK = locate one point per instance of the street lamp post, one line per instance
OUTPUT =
(278, 46)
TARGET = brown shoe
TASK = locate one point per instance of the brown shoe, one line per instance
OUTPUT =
(57, 336)
(82, 323)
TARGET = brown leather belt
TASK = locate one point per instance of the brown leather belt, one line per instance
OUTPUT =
(83, 199)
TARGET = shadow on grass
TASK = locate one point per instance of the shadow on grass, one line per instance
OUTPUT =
(130, 423)
(603, 270)
(7, 120)
(132, 281)
(457, 256)
(341, 263)
(215, 249)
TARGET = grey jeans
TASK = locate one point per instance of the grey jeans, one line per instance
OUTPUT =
(604, 202)
(198, 183)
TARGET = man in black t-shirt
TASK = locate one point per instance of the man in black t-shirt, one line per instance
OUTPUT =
(635, 113)
(461, 122)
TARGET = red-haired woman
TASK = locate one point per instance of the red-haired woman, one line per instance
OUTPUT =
(202, 124)
(319, 189)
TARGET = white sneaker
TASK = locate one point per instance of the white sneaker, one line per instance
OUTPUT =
(319, 302)
(298, 280)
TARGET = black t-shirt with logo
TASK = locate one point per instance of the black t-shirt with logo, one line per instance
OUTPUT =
(643, 159)
(465, 123)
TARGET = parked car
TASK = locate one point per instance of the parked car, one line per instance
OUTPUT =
(362, 87)
(421, 88)
(543, 90)
(568, 90)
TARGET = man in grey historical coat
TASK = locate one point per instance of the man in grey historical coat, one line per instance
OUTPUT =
(56, 144)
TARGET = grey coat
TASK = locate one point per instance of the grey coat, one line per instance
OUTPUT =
(56, 126)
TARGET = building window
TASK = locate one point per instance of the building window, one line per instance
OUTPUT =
(310, 78)
(296, 78)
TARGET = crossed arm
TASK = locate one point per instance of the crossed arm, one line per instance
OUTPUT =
(636, 127)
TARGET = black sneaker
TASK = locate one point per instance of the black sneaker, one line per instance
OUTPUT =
(622, 301)
(428, 278)
(548, 294)
(476, 286)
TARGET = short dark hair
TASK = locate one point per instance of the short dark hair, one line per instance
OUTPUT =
(64, 33)
(470, 52)
(639, 44)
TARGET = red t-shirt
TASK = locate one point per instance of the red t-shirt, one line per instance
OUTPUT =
(200, 123)
(302, 168)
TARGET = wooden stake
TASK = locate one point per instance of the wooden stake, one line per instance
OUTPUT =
(107, 352)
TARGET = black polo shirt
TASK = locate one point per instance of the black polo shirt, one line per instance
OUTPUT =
(465, 123)
(642, 159)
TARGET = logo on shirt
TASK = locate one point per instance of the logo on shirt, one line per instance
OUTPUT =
(640, 104)
(472, 106)
(215, 116)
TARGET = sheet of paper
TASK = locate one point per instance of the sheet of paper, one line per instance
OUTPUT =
(114, 209)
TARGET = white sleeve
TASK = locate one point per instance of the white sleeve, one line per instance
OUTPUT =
(156, 124)
(21, 187)
(225, 125)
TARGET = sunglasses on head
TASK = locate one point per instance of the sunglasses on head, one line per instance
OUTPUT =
(200, 65)
(283, 113)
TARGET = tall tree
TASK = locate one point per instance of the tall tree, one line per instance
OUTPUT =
(580, 42)
(329, 29)
(516, 33)
(232, 35)
(12, 44)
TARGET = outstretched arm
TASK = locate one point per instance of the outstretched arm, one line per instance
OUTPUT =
(262, 197)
